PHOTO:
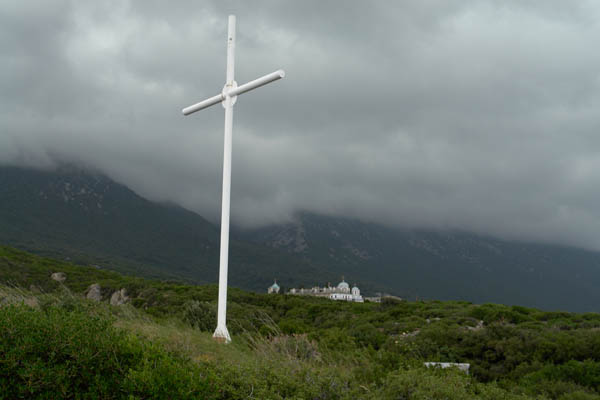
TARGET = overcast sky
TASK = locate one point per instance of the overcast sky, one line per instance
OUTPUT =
(476, 115)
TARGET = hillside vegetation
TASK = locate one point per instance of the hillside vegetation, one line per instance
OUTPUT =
(56, 344)
(90, 219)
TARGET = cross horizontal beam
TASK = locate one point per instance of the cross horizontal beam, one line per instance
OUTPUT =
(234, 91)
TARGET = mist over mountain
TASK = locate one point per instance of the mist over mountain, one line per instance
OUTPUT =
(87, 217)
(91, 219)
(432, 115)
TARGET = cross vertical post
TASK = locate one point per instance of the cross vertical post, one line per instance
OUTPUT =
(228, 98)
(221, 332)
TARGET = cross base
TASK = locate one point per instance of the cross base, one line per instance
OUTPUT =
(221, 334)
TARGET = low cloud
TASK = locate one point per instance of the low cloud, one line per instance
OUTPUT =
(451, 114)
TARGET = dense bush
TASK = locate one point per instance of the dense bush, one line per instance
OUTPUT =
(59, 353)
(584, 373)
(431, 384)
(200, 314)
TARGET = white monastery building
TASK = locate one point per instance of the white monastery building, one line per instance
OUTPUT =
(340, 292)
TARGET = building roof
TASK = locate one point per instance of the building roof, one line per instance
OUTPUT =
(343, 285)
(274, 285)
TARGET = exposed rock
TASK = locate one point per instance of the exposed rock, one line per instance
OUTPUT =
(31, 302)
(478, 327)
(59, 276)
(93, 292)
(464, 367)
(119, 297)
(410, 334)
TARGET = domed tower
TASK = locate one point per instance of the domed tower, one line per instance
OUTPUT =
(343, 286)
(356, 294)
(274, 288)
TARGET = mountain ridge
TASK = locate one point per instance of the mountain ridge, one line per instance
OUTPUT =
(444, 265)
(94, 220)
(91, 219)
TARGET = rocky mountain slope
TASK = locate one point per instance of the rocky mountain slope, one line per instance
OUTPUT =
(443, 265)
(90, 219)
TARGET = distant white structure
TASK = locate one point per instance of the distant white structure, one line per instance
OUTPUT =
(379, 297)
(340, 292)
(461, 366)
(274, 288)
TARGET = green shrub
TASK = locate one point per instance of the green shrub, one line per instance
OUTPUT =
(200, 314)
(336, 339)
(419, 384)
(58, 353)
(584, 373)
(293, 326)
(579, 395)
(366, 334)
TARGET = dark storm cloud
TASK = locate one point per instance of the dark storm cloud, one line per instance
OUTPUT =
(449, 114)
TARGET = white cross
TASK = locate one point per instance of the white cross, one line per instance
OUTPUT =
(228, 98)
